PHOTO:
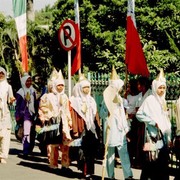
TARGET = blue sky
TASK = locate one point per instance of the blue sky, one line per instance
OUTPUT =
(6, 5)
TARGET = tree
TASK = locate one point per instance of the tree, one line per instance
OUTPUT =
(103, 29)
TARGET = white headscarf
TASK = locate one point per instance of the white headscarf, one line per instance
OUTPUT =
(56, 82)
(155, 85)
(90, 103)
(154, 106)
(118, 84)
(82, 84)
(24, 91)
(60, 104)
(118, 106)
(84, 104)
(54, 97)
(3, 82)
(3, 92)
(59, 95)
(75, 91)
(4, 72)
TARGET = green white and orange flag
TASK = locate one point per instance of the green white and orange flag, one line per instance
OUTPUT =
(19, 8)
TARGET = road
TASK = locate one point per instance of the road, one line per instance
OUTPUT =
(36, 167)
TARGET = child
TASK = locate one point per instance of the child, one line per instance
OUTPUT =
(118, 127)
(84, 113)
(25, 112)
(6, 96)
(153, 112)
(54, 110)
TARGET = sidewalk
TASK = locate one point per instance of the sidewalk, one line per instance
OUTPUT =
(36, 167)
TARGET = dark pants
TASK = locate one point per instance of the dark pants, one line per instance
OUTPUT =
(135, 146)
(89, 148)
(156, 170)
(177, 152)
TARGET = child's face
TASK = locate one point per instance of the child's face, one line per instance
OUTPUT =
(60, 88)
(140, 87)
(2, 75)
(161, 90)
(86, 89)
(28, 82)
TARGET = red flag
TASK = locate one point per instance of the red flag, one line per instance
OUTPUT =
(77, 59)
(135, 59)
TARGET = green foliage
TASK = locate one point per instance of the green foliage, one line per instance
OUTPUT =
(103, 29)
(103, 35)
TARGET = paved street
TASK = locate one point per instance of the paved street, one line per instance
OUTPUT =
(36, 167)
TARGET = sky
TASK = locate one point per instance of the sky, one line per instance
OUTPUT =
(6, 5)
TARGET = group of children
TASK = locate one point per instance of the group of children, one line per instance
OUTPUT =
(65, 121)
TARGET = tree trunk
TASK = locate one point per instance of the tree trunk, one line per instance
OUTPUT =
(30, 10)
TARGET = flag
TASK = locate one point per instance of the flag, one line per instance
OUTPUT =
(76, 65)
(134, 58)
(19, 8)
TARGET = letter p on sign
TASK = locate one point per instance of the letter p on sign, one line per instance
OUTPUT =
(67, 35)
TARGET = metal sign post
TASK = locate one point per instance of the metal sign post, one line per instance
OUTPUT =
(67, 36)
(69, 73)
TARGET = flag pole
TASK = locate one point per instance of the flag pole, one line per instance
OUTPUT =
(126, 77)
(69, 73)
(77, 20)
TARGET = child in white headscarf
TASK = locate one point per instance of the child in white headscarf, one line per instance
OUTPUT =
(54, 105)
(6, 96)
(118, 128)
(153, 112)
(25, 112)
(83, 112)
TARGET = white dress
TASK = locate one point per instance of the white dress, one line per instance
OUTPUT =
(6, 94)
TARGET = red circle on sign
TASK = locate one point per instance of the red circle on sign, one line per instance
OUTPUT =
(67, 34)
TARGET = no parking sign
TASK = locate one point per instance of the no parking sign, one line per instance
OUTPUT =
(67, 34)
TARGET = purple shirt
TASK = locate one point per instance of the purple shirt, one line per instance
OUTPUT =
(22, 110)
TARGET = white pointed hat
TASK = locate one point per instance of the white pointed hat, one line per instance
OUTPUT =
(161, 76)
(81, 77)
(60, 75)
(54, 74)
(114, 75)
(59, 79)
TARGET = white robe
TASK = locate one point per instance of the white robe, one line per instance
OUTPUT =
(151, 113)
(178, 117)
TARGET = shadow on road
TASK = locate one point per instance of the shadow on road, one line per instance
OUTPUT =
(37, 163)
(59, 172)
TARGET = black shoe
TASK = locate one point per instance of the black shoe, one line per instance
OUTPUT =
(88, 177)
(23, 156)
(129, 178)
(67, 172)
